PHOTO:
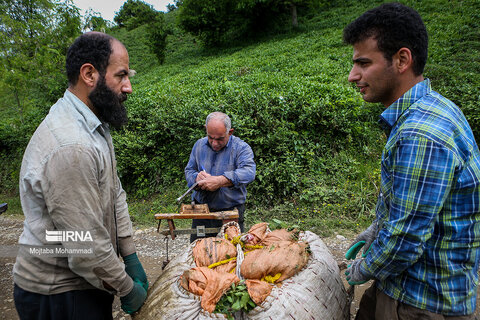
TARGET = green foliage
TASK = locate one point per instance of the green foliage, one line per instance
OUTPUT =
(157, 33)
(142, 210)
(454, 59)
(293, 115)
(134, 13)
(14, 136)
(316, 143)
(234, 300)
(146, 43)
(221, 22)
(14, 205)
(209, 21)
(137, 42)
(279, 224)
(95, 22)
(33, 43)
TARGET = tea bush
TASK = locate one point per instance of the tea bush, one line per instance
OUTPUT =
(316, 143)
(294, 111)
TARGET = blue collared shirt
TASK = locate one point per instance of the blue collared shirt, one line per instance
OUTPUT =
(234, 161)
(427, 250)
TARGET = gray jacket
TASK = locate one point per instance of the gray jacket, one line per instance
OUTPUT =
(69, 186)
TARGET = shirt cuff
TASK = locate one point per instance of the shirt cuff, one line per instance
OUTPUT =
(120, 285)
(124, 290)
(364, 270)
(126, 246)
(231, 176)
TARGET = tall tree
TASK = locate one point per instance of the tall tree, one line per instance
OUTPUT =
(157, 33)
(95, 22)
(219, 21)
(134, 13)
(214, 22)
(34, 37)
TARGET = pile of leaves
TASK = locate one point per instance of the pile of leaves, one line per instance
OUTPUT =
(235, 299)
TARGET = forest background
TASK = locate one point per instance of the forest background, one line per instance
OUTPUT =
(278, 67)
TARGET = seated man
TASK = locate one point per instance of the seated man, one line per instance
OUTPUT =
(223, 166)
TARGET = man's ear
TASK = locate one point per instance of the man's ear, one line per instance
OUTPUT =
(230, 132)
(403, 59)
(88, 75)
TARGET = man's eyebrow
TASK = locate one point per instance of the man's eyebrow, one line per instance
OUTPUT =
(215, 138)
(361, 59)
(122, 72)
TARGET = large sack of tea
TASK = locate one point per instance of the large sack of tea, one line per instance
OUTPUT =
(314, 292)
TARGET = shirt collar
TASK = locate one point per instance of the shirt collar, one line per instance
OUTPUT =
(396, 109)
(90, 118)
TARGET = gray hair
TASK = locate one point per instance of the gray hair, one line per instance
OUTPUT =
(220, 116)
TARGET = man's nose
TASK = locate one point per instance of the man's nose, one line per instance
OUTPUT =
(354, 75)
(127, 86)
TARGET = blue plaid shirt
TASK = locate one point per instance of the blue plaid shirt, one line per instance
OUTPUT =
(234, 161)
(427, 250)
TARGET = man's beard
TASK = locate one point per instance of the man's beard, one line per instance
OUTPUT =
(109, 106)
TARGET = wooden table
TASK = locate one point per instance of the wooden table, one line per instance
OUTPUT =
(197, 211)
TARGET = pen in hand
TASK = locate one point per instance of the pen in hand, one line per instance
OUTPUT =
(202, 174)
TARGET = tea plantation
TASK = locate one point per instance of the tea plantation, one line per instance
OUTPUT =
(317, 144)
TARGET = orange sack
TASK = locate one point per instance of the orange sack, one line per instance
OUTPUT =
(258, 231)
(276, 236)
(284, 257)
(208, 284)
(212, 250)
(231, 232)
(258, 290)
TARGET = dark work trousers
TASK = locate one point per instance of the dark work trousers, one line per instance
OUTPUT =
(376, 305)
(212, 223)
(92, 304)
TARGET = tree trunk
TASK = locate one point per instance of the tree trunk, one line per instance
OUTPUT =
(293, 10)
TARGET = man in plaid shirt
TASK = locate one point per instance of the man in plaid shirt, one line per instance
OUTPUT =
(422, 250)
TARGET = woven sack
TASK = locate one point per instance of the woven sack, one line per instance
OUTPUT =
(316, 292)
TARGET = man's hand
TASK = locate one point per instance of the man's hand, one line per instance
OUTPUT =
(356, 274)
(133, 267)
(202, 175)
(212, 183)
(134, 299)
(365, 240)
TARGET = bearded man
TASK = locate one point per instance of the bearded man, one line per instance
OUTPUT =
(76, 217)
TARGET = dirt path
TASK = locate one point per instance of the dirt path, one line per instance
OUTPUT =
(151, 249)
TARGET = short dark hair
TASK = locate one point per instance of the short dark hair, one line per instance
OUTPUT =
(91, 47)
(394, 26)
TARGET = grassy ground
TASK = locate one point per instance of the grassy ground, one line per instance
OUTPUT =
(142, 212)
